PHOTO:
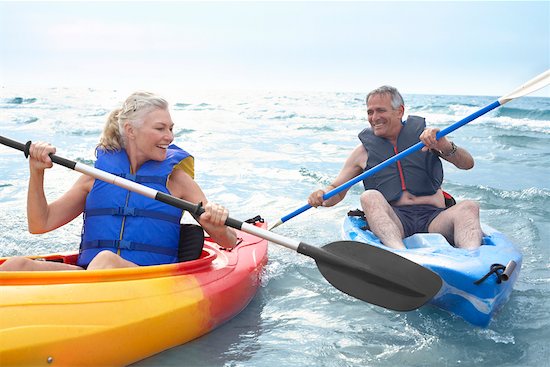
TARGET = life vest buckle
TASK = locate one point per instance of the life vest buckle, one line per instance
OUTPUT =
(125, 245)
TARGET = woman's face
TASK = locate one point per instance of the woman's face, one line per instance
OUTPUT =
(154, 136)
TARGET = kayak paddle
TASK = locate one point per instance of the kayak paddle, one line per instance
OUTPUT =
(365, 272)
(532, 85)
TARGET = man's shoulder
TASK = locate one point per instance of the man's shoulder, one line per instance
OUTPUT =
(414, 120)
(359, 156)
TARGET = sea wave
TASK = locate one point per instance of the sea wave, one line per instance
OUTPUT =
(25, 120)
(94, 113)
(452, 109)
(317, 128)
(508, 140)
(524, 113)
(529, 199)
(18, 100)
(509, 123)
(446, 118)
(314, 176)
(282, 115)
(181, 132)
(182, 105)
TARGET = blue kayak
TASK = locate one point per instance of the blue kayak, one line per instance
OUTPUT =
(476, 283)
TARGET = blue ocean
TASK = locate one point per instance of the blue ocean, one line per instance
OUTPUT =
(263, 153)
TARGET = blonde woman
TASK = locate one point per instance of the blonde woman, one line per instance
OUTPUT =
(121, 228)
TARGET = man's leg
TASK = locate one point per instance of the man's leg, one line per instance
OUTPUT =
(383, 221)
(460, 225)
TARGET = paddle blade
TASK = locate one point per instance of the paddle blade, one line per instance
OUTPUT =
(275, 225)
(378, 276)
(538, 82)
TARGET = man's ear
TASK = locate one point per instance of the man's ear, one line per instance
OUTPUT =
(402, 110)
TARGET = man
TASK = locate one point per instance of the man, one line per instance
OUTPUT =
(405, 197)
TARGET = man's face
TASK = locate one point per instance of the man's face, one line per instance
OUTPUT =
(383, 118)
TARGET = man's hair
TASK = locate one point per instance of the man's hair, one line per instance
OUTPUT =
(396, 98)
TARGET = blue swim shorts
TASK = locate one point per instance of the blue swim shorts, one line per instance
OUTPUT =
(416, 218)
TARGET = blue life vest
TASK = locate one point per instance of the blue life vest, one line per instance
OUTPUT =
(141, 230)
(420, 173)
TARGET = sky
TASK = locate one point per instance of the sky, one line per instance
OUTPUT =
(469, 48)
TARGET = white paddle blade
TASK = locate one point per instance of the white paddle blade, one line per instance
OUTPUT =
(538, 82)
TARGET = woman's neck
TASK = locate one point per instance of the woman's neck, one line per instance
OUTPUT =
(134, 158)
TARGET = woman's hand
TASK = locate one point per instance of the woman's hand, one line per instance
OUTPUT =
(213, 221)
(39, 156)
(215, 214)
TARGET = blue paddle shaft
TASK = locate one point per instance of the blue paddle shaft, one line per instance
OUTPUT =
(395, 158)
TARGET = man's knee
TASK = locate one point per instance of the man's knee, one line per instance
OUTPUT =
(469, 207)
(371, 198)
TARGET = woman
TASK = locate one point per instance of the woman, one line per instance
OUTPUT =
(124, 229)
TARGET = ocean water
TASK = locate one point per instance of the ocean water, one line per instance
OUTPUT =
(263, 153)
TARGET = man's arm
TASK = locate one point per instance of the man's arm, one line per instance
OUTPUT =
(353, 166)
(446, 149)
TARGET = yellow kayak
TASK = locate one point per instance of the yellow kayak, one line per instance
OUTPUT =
(120, 316)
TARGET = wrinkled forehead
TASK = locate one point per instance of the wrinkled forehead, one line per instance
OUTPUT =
(379, 98)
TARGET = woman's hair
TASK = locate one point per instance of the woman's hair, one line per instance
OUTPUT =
(396, 98)
(133, 112)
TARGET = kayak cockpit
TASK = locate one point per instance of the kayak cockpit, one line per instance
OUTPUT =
(208, 255)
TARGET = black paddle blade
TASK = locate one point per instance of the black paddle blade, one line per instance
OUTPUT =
(375, 275)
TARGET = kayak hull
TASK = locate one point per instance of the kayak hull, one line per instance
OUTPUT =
(458, 268)
(120, 316)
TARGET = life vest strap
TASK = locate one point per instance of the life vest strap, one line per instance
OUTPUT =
(128, 245)
(132, 212)
(144, 179)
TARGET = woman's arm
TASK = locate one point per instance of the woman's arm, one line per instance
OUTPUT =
(212, 220)
(41, 216)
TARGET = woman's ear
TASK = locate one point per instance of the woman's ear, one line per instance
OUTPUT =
(129, 130)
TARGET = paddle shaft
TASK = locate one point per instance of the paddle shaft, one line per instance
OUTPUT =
(534, 84)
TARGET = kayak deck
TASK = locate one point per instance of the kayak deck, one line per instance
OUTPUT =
(119, 316)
